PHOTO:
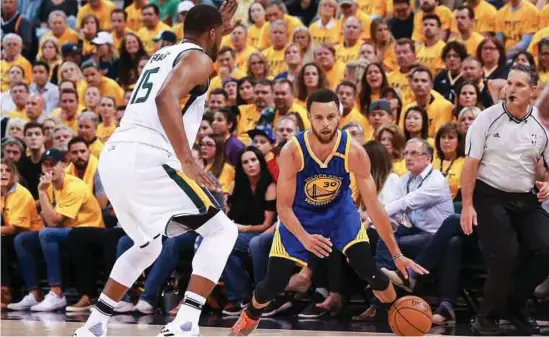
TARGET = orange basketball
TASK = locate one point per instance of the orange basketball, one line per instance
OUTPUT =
(410, 316)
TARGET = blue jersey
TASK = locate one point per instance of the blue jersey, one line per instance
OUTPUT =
(322, 189)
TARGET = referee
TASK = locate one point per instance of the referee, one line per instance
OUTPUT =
(501, 190)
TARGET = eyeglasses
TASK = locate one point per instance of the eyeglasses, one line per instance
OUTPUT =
(413, 154)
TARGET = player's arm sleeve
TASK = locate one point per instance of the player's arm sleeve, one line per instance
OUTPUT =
(71, 202)
(475, 141)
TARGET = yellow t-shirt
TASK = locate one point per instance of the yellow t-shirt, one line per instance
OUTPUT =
(21, 62)
(253, 36)
(365, 22)
(347, 54)
(400, 81)
(88, 48)
(544, 16)
(335, 75)
(275, 60)
(243, 56)
(439, 112)
(72, 123)
(147, 36)
(105, 132)
(533, 47)
(444, 14)
(265, 35)
(328, 34)
(226, 178)
(514, 23)
(16, 113)
(68, 36)
(485, 18)
(19, 209)
(399, 167)
(431, 56)
(77, 203)
(389, 58)
(357, 117)
(89, 173)
(216, 82)
(471, 44)
(135, 17)
(96, 147)
(451, 170)
(103, 13)
(178, 31)
(110, 87)
(544, 77)
(247, 120)
(118, 41)
(301, 111)
(373, 7)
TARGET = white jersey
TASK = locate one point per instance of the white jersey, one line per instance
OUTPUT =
(140, 123)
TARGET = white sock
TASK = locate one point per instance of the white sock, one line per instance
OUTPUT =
(190, 309)
(100, 315)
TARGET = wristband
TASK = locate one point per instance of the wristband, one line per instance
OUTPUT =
(397, 256)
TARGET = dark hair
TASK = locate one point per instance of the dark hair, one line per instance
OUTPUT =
(322, 96)
(543, 43)
(390, 90)
(446, 129)
(285, 81)
(299, 82)
(533, 77)
(41, 64)
(21, 84)
(225, 49)
(424, 122)
(366, 91)
(459, 107)
(66, 81)
(501, 49)
(382, 164)
(120, 11)
(399, 140)
(219, 91)
(95, 18)
(265, 82)
(219, 156)
(200, 19)
(346, 84)
(456, 46)
(374, 25)
(250, 20)
(15, 176)
(470, 11)
(76, 140)
(421, 69)
(529, 57)
(69, 91)
(432, 17)
(403, 41)
(153, 6)
(401, 2)
(230, 117)
(32, 125)
(127, 65)
(240, 82)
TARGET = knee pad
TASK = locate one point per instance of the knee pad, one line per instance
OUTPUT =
(219, 235)
(134, 261)
(362, 261)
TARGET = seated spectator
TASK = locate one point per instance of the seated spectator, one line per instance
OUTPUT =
(467, 27)
(90, 28)
(12, 46)
(309, 79)
(119, 20)
(347, 93)
(19, 93)
(491, 55)
(382, 172)
(212, 150)
(48, 125)
(402, 24)
(69, 7)
(252, 206)
(263, 139)
(355, 130)
(227, 68)
(31, 167)
(69, 113)
(91, 99)
(62, 134)
(219, 99)
(394, 96)
(524, 58)
(71, 53)
(250, 114)
(131, 52)
(15, 128)
(429, 52)
(17, 23)
(50, 53)
(107, 86)
(368, 52)
(19, 214)
(224, 124)
(467, 96)
(325, 59)
(294, 60)
(516, 23)
(106, 55)
(245, 91)
(66, 202)
(450, 156)
(258, 68)
(543, 59)
(15, 76)
(101, 9)
(325, 29)
(286, 129)
(284, 102)
(354, 71)
(43, 86)
(69, 71)
(107, 111)
(165, 38)
(348, 49)
(416, 124)
(472, 72)
(304, 39)
(448, 80)
(152, 26)
(466, 117)
(14, 150)
(205, 128)
(230, 87)
(59, 28)
(87, 129)
(379, 113)
(276, 11)
(385, 44)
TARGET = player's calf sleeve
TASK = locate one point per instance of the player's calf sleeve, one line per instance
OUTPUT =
(134, 261)
(278, 274)
(220, 234)
(362, 261)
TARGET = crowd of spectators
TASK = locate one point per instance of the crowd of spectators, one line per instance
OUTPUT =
(411, 77)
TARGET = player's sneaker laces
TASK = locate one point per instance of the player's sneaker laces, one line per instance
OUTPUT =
(244, 326)
(173, 330)
(98, 330)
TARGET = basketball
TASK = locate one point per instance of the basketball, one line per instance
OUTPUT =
(410, 316)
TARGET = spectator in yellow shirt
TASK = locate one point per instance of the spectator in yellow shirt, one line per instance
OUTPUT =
(349, 48)
(256, 20)
(544, 16)
(19, 93)
(12, 45)
(385, 44)
(276, 10)
(245, 88)
(68, 115)
(516, 23)
(284, 102)
(218, 99)
(152, 26)
(350, 8)
(450, 156)
(107, 111)
(119, 20)
(354, 71)
(182, 9)
(62, 134)
(326, 29)
(465, 18)
(304, 39)
(372, 84)
(87, 129)
(132, 53)
(325, 59)
(347, 93)
(50, 53)
(242, 49)
(294, 60)
(107, 86)
(66, 202)
(429, 53)
(251, 113)
(309, 79)
(90, 28)
(15, 76)
(543, 60)
(57, 23)
(540, 35)
(432, 7)
(391, 136)
(275, 54)
(258, 67)
(484, 19)
(135, 14)
(101, 9)
(227, 68)
(212, 149)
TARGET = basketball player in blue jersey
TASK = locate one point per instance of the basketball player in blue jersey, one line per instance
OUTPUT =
(317, 212)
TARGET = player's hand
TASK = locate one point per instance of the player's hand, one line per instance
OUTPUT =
(403, 263)
(318, 245)
(468, 219)
(543, 188)
(227, 10)
(197, 174)
(45, 181)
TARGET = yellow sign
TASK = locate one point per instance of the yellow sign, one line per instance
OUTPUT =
(322, 189)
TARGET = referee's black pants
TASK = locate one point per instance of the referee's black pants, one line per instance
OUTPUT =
(514, 237)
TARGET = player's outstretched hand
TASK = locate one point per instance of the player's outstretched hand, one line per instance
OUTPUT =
(403, 263)
(197, 174)
(318, 245)
(227, 10)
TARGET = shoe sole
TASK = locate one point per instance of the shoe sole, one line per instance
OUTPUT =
(57, 307)
(283, 307)
(311, 316)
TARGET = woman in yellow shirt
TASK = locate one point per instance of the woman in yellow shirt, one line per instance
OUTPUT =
(257, 20)
(304, 39)
(309, 79)
(107, 111)
(50, 53)
(90, 28)
(69, 71)
(390, 136)
(245, 91)
(466, 117)
(373, 83)
(212, 149)
(258, 68)
(131, 52)
(384, 43)
(450, 155)
(416, 124)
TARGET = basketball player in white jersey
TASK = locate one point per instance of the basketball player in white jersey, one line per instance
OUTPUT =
(151, 179)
